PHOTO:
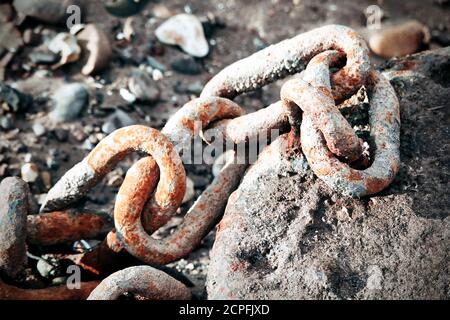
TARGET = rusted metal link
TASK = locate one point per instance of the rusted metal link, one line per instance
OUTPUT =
(291, 56)
(84, 175)
(13, 222)
(384, 121)
(241, 129)
(313, 95)
(58, 227)
(145, 281)
(198, 221)
(8, 292)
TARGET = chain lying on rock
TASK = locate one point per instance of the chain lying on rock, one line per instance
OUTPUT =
(154, 186)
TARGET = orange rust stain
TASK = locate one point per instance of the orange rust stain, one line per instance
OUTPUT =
(354, 175)
(374, 185)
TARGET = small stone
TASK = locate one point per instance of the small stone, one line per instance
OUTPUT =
(400, 40)
(45, 268)
(161, 11)
(69, 101)
(157, 75)
(62, 135)
(155, 64)
(13, 99)
(143, 87)
(29, 172)
(38, 129)
(190, 192)
(43, 57)
(95, 41)
(117, 120)
(52, 161)
(127, 95)
(58, 281)
(187, 66)
(7, 122)
(186, 31)
(46, 179)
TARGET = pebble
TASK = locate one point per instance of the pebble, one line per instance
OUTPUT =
(127, 95)
(161, 11)
(13, 99)
(186, 31)
(117, 120)
(187, 65)
(29, 172)
(124, 8)
(50, 11)
(38, 129)
(399, 40)
(190, 192)
(143, 87)
(62, 135)
(69, 101)
(94, 40)
(7, 122)
(45, 267)
(43, 57)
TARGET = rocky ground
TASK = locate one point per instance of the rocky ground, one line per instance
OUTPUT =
(54, 108)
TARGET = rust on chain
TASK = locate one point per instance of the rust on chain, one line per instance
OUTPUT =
(291, 56)
(313, 95)
(84, 175)
(63, 292)
(198, 221)
(384, 121)
(145, 281)
(63, 226)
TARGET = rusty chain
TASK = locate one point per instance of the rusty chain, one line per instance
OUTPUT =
(154, 186)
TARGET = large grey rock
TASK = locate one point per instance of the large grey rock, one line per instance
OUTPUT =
(286, 235)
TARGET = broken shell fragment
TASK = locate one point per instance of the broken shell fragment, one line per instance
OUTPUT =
(400, 40)
(186, 31)
(95, 41)
(65, 44)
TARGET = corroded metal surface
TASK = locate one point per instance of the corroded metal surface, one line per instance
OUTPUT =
(13, 219)
(62, 227)
(144, 281)
(291, 56)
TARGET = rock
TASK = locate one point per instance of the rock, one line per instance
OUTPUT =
(94, 41)
(43, 57)
(116, 121)
(186, 31)
(69, 101)
(161, 11)
(62, 135)
(13, 226)
(38, 129)
(29, 172)
(45, 268)
(14, 100)
(6, 13)
(286, 235)
(66, 46)
(7, 122)
(127, 95)
(187, 65)
(143, 87)
(50, 11)
(124, 8)
(400, 40)
(190, 192)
